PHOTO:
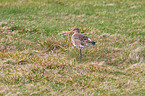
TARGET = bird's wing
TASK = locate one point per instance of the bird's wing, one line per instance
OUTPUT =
(85, 40)
(81, 40)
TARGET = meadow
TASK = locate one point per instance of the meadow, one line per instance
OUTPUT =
(36, 60)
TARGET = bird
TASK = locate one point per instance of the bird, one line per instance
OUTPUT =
(80, 40)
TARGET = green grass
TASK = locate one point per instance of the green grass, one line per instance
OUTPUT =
(36, 60)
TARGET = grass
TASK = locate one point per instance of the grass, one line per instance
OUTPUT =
(36, 60)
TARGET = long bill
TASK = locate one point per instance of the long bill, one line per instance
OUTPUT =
(69, 32)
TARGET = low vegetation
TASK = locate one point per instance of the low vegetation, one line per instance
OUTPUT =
(36, 60)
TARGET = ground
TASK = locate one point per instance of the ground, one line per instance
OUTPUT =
(36, 60)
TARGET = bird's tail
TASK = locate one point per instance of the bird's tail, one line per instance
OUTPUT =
(93, 43)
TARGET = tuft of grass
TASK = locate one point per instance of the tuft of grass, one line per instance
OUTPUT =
(53, 43)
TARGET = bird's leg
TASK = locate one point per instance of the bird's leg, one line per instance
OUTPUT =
(80, 55)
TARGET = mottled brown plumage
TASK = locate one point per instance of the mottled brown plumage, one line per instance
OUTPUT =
(80, 40)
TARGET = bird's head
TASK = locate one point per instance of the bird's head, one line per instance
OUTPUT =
(75, 30)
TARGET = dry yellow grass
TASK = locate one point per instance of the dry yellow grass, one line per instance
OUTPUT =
(115, 65)
(35, 60)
